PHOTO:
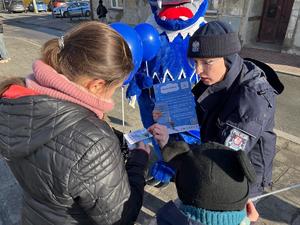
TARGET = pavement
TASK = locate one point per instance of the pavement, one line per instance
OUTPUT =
(280, 62)
(24, 35)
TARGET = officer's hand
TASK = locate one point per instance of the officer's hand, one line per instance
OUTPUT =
(160, 134)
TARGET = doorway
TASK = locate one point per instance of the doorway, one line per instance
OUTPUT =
(275, 20)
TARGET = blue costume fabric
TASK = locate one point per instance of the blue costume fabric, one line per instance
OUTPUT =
(171, 62)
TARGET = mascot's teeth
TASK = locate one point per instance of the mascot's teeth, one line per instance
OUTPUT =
(159, 3)
(192, 1)
(183, 18)
(163, 18)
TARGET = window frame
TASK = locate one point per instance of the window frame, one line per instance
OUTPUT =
(117, 6)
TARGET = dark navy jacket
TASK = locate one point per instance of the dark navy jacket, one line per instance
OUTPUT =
(243, 103)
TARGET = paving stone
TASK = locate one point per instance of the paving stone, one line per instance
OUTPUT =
(294, 147)
(278, 170)
(281, 143)
(274, 210)
(296, 221)
(289, 158)
(291, 177)
(168, 193)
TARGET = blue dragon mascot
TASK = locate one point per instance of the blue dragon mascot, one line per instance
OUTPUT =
(176, 21)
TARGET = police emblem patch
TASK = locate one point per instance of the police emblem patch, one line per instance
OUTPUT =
(236, 140)
(195, 46)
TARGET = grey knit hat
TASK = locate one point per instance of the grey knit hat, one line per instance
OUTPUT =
(214, 39)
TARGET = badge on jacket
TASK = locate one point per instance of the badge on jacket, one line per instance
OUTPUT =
(236, 140)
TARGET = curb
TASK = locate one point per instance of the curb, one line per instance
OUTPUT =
(287, 141)
(288, 73)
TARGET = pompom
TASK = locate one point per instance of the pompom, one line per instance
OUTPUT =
(133, 89)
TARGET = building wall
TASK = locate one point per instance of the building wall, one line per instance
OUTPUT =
(113, 14)
(136, 11)
(133, 11)
(94, 5)
(252, 21)
(291, 43)
(244, 15)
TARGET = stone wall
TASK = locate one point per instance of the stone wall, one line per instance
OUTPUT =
(133, 12)
(94, 6)
(291, 43)
(232, 12)
(113, 14)
(136, 11)
(251, 21)
(244, 15)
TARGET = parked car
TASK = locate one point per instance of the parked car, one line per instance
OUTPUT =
(61, 11)
(41, 6)
(56, 3)
(16, 6)
(79, 9)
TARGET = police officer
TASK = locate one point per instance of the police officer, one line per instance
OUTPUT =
(235, 102)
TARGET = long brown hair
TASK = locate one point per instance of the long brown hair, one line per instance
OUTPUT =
(91, 49)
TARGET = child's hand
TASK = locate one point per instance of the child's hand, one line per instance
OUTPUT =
(143, 146)
(160, 133)
(251, 211)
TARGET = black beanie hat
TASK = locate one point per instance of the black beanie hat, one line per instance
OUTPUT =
(214, 39)
(211, 176)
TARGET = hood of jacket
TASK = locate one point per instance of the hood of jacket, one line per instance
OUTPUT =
(252, 74)
(29, 122)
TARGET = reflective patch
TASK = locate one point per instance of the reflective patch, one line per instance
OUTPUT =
(237, 140)
(195, 46)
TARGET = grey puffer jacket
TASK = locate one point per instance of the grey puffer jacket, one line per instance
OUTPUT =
(69, 164)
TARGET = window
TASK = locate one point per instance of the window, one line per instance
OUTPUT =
(213, 4)
(213, 7)
(118, 4)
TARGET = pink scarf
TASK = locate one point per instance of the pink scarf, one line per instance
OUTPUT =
(45, 80)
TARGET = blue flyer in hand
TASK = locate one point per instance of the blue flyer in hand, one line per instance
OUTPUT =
(175, 106)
